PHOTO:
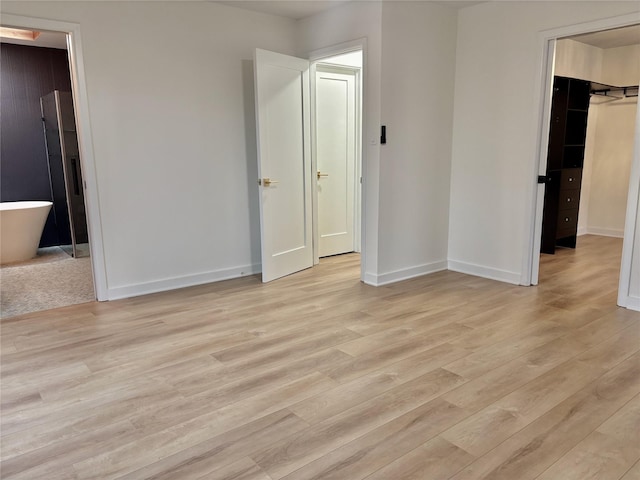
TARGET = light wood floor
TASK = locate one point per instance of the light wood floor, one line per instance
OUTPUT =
(318, 376)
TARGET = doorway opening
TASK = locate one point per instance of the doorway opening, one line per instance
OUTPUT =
(41, 161)
(337, 153)
(309, 144)
(589, 207)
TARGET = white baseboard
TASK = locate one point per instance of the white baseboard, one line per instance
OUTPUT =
(632, 303)
(156, 286)
(582, 231)
(485, 272)
(603, 232)
(404, 274)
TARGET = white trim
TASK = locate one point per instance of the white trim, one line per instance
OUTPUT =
(370, 279)
(632, 303)
(174, 283)
(314, 165)
(359, 138)
(85, 139)
(484, 272)
(625, 299)
(339, 49)
(404, 274)
(603, 232)
(531, 254)
(531, 267)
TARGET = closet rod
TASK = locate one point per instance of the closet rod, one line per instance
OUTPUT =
(606, 90)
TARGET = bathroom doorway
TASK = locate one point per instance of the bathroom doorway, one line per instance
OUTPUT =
(41, 162)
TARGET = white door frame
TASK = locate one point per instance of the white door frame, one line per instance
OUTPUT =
(316, 57)
(547, 43)
(85, 143)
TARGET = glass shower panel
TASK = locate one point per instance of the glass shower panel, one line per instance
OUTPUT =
(65, 170)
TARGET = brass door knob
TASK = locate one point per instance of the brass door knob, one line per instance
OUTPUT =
(322, 174)
(266, 181)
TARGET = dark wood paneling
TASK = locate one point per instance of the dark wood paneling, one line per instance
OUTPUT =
(26, 74)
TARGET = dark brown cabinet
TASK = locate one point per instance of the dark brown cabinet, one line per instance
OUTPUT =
(565, 158)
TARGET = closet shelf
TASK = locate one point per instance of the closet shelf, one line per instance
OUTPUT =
(612, 91)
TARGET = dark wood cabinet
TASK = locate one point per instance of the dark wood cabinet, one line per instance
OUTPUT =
(565, 159)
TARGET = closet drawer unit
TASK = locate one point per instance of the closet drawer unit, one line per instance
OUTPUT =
(568, 199)
(570, 178)
(567, 223)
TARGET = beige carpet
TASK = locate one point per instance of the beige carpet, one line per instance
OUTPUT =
(50, 280)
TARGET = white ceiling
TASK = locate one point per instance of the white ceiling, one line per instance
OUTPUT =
(298, 9)
(619, 37)
(295, 9)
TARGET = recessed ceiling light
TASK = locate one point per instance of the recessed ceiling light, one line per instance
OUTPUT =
(18, 33)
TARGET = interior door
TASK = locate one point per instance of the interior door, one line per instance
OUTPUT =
(336, 156)
(284, 163)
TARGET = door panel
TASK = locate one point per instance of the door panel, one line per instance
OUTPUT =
(336, 155)
(282, 110)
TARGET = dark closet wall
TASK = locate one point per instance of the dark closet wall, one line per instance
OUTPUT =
(26, 74)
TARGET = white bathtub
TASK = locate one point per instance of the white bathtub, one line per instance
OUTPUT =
(21, 225)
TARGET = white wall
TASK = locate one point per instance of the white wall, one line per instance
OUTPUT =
(495, 125)
(170, 89)
(610, 166)
(613, 143)
(621, 66)
(418, 74)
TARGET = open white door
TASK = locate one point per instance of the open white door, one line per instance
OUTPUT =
(284, 163)
(336, 156)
